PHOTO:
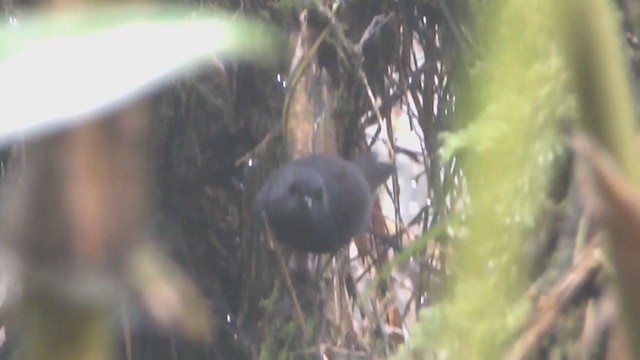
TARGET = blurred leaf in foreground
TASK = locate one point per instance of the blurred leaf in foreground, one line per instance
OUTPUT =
(58, 67)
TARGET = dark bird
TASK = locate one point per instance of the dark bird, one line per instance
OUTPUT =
(319, 202)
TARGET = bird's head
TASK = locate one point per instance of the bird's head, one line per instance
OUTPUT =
(305, 192)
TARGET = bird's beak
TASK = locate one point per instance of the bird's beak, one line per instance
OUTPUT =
(307, 201)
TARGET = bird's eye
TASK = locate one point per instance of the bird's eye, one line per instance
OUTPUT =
(293, 189)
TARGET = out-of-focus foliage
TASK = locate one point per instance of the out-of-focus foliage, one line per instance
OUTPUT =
(62, 66)
(79, 62)
(511, 99)
(609, 192)
(602, 78)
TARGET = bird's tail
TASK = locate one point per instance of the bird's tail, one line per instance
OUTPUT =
(376, 172)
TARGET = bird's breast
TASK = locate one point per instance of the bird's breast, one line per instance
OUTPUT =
(299, 231)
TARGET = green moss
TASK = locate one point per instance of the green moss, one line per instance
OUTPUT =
(513, 98)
